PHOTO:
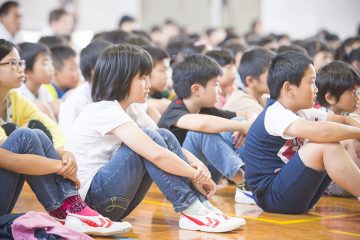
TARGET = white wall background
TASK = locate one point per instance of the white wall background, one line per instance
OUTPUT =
(301, 18)
(298, 18)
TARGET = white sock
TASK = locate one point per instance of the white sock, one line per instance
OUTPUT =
(358, 198)
(209, 206)
(196, 208)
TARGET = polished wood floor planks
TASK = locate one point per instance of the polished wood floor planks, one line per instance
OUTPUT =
(332, 218)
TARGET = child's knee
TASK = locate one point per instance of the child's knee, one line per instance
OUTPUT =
(155, 136)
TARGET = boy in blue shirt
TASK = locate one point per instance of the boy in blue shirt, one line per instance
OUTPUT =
(284, 174)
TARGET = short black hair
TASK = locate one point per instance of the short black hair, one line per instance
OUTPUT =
(354, 55)
(29, 52)
(114, 70)
(193, 69)
(313, 47)
(137, 40)
(335, 78)
(222, 56)
(157, 54)
(116, 36)
(53, 41)
(60, 54)
(6, 47)
(89, 55)
(126, 18)
(6, 6)
(56, 14)
(254, 62)
(288, 66)
(292, 47)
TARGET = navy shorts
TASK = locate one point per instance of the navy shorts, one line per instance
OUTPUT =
(295, 189)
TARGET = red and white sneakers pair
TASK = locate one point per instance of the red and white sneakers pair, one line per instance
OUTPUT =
(96, 225)
(213, 221)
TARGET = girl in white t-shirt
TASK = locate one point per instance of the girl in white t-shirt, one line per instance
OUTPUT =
(114, 176)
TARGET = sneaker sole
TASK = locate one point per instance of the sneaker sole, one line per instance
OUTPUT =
(100, 232)
(209, 229)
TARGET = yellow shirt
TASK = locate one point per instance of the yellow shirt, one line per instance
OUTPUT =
(23, 111)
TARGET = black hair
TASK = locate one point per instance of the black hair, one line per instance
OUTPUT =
(114, 37)
(56, 14)
(30, 51)
(354, 55)
(53, 41)
(222, 56)
(335, 78)
(233, 46)
(263, 41)
(254, 62)
(114, 70)
(60, 54)
(293, 47)
(89, 55)
(6, 6)
(137, 40)
(142, 33)
(157, 54)
(182, 45)
(5, 48)
(194, 69)
(288, 66)
(126, 18)
(313, 47)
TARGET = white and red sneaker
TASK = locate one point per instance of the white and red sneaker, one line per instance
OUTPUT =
(211, 222)
(96, 225)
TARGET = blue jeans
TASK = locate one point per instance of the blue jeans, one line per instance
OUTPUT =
(51, 190)
(216, 151)
(122, 183)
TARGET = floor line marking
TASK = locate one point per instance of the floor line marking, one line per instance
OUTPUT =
(282, 222)
(345, 233)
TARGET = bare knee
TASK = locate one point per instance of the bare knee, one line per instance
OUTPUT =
(313, 154)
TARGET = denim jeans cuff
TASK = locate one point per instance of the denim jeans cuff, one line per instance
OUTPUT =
(58, 204)
(236, 170)
(185, 205)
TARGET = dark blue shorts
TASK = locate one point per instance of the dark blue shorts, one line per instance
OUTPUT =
(295, 189)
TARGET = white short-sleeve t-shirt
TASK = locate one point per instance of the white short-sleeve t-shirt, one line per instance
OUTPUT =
(90, 142)
(278, 118)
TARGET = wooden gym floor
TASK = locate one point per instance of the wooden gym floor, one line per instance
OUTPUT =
(154, 218)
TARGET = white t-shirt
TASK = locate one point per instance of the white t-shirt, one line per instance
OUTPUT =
(137, 111)
(72, 105)
(278, 118)
(43, 94)
(5, 34)
(75, 101)
(89, 141)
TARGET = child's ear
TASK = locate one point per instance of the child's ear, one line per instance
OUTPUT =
(195, 89)
(330, 99)
(288, 88)
(250, 81)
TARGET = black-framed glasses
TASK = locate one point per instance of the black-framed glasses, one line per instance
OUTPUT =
(16, 64)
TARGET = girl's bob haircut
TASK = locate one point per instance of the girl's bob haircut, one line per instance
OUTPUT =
(114, 70)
